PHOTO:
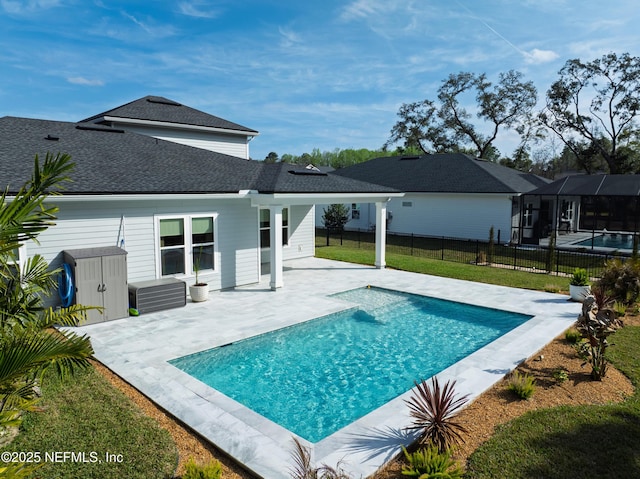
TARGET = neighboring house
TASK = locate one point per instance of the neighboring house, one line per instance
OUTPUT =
(452, 195)
(161, 200)
(582, 203)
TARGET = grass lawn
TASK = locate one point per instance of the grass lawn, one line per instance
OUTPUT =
(86, 414)
(470, 272)
(580, 441)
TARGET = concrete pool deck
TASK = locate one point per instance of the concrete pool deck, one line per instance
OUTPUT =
(138, 348)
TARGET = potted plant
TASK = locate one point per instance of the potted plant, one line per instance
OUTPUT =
(198, 291)
(579, 287)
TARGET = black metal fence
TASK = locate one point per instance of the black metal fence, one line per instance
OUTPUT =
(520, 257)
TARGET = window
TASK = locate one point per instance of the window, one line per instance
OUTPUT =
(355, 211)
(407, 204)
(527, 215)
(265, 227)
(186, 243)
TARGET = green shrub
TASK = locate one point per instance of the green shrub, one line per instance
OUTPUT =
(580, 277)
(211, 470)
(621, 281)
(560, 375)
(429, 463)
(523, 385)
(572, 336)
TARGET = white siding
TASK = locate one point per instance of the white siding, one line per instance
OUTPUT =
(301, 233)
(93, 224)
(234, 145)
(454, 215)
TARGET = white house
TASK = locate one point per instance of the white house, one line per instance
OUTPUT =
(161, 201)
(451, 195)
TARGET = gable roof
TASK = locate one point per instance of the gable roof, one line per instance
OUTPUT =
(160, 109)
(113, 161)
(592, 185)
(443, 173)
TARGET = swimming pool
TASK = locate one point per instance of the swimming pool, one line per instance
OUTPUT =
(609, 241)
(342, 366)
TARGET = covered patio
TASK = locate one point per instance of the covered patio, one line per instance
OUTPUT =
(138, 348)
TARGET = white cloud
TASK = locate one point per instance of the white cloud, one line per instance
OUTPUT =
(537, 56)
(197, 9)
(85, 81)
(17, 7)
(289, 38)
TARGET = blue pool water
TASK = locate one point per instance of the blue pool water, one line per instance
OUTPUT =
(316, 377)
(608, 241)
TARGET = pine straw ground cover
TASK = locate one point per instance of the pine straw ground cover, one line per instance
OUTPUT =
(494, 407)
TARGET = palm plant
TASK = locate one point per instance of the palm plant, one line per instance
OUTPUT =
(29, 342)
(433, 410)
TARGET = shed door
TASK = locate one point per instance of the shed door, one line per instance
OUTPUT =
(88, 279)
(115, 289)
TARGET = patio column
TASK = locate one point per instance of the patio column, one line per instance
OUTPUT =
(275, 240)
(381, 230)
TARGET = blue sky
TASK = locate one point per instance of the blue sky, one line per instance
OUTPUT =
(306, 74)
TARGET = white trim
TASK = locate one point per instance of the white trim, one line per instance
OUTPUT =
(289, 199)
(187, 217)
(148, 197)
(177, 126)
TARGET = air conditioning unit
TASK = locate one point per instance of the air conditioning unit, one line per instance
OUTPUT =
(157, 295)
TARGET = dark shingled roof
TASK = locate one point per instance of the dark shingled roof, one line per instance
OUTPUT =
(112, 161)
(287, 178)
(443, 173)
(157, 108)
(592, 185)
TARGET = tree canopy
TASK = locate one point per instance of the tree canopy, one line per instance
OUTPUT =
(593, 108)
(447, 126)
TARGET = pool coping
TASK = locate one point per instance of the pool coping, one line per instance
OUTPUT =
(129, 347)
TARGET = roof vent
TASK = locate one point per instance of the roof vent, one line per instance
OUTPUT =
(306, 172)
(410, 158)
(94, 127)
(162, 101)
(52, 138)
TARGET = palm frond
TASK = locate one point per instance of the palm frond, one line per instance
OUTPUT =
(27, 352)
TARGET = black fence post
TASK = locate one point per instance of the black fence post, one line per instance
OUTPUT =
(515, 257)
(411, 244)
(442, 249)
(557, 262)
(327, 236)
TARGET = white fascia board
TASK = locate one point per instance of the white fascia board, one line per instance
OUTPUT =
(148, 197)
(262, 199)
(176, 126)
